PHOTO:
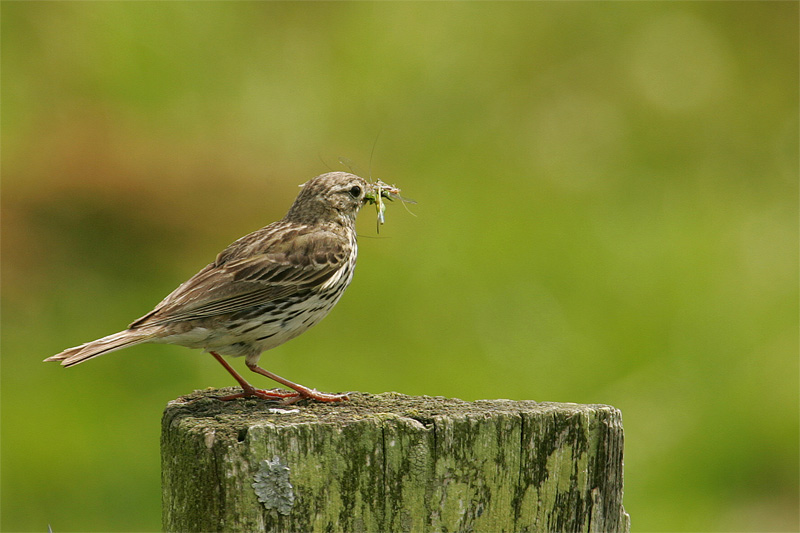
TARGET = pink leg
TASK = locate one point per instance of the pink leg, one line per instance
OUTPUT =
(286, 397)
(302, 392)
(248, 390)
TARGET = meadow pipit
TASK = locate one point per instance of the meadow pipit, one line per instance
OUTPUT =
(264, 289)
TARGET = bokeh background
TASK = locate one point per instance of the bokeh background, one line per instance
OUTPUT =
(607, 214)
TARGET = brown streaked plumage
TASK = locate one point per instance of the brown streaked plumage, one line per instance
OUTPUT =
(261, 291)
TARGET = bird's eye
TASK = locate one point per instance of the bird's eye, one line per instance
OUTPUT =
(355, 191)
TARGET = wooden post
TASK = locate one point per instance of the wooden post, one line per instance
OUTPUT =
(391, 462)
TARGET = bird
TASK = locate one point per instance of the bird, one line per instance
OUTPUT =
(263, 290)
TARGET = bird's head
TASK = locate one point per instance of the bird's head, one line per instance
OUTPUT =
(338, 196)
(331, 197)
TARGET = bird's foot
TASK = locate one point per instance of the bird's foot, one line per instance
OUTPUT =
(313, 394)
(285, 397)
(274, 395)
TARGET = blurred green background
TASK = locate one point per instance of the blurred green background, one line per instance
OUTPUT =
(607, 214)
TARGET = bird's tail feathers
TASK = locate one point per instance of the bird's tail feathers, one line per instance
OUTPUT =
(110, 343)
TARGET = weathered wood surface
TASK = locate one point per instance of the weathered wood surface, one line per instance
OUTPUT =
(390, 462)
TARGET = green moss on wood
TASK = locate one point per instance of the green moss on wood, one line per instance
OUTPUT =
(391, 462)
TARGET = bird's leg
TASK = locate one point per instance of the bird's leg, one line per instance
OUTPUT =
(302, 392)
(247, 389)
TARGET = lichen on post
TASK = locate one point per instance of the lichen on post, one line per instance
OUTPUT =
(391, 462)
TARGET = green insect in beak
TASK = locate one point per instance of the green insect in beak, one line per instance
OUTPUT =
(389, 192)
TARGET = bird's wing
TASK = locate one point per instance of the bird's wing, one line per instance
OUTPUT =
(246, 274)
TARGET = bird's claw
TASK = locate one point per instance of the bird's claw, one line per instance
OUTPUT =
(285, 397)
